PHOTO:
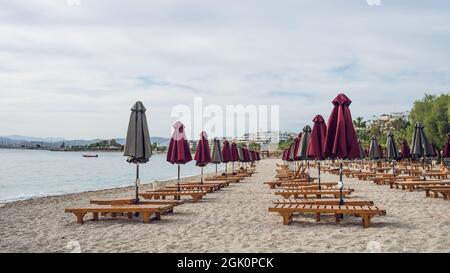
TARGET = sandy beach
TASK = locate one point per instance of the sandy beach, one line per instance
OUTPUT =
(234, 219)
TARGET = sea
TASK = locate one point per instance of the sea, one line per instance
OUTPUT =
(28, 174)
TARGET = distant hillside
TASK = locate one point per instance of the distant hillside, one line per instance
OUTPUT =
(57, 141)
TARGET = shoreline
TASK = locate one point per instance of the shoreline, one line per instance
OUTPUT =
(151, 184)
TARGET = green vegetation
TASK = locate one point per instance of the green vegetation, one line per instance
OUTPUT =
(432, 111)
(254, 146)
(284, 144)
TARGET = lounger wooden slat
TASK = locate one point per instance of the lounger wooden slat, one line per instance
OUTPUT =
(195, 195)
(330, 201)
(365, 212)
(145, 210)
(316, 193)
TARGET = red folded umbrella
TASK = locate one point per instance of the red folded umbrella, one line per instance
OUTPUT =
(226, 152)
(284, 156)
(296, 147)
(234, 152)
(246, 154)
(341, 141)
(446, 149)
(380, 150)
(202, 154)
(179, 151)
(434, 150)
(317, 139)
(258, 156)
(406, 152)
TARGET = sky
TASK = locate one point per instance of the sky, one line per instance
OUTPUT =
(74, 68)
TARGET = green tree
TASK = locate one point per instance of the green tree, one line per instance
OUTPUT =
(254, 146)
(433, 112)
(283, 145)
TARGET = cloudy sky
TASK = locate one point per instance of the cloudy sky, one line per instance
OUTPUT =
(73, 68)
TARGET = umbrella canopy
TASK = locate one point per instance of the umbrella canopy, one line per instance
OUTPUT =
(420, 144)
(251, 156)
(258, 157)
(406, 152)
(137, 144)
(392, 151)
(434, 150)
(306, 135)
(246, 154)
(291, 155)
(202, 154)
(241, 154)
(362, 153)
(179, 151)
(341, 141)
(381, 151)
(446, 148)
(226, 152)
(296, 147)
(216, 157)
(374, 149)
(317, 138)
(234, 152)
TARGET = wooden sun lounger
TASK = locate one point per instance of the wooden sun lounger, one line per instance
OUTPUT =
(411, 185)
(145, 210)
(132, 201)
(316, 193)
(223, 179)
(273, 184)
(195, 195)
(391, 179)
(206, 187)
(324, 201)
(444, 192)
(365, 212)
(434, 190)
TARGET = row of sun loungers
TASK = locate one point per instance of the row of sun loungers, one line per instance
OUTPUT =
(157, 202)
(318, 201)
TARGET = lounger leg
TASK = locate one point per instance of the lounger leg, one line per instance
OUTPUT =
(113, 215)
(317, 217)
(157, 215)
(95, 216)
(80, 216)
(287, 217)
(338, 217)
(366, 220)
(130, 215)
(146, 217)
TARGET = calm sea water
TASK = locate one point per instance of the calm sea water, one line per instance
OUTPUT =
(30, 173)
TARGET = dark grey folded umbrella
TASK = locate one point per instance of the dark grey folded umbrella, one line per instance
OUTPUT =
(306, 135)
(392, 151)
(362, 153)
(216, 154)
(374, 152)
(137, 144)
(420, 145)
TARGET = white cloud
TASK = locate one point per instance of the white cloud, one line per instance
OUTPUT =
(74, 71)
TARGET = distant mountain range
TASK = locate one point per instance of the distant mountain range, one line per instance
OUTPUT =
(57, 141)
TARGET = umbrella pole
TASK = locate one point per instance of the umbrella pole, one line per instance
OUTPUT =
(201, 180)
(216, 169)
(226, 171)
(233, 167)
(393, 167)
(178, 180)
(318, 174)
(341, 199)
(137, 184)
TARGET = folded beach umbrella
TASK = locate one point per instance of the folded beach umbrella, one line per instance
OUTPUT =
(406, 152)
(446, 148)
(202, 153)
(234, 153)
(362, 153)
(392, 151)
(258, 157)
(317, 139)
(434, 150)
(420, 145)
(381, 151)
(306, 135)
(374, 149)
(241, 154)
(226, 154)
(341, 141)
(137, 144)
(296, 143)
(291, 155)
(316, 142)
(179, 151)
(246, 155)
(216, 157)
